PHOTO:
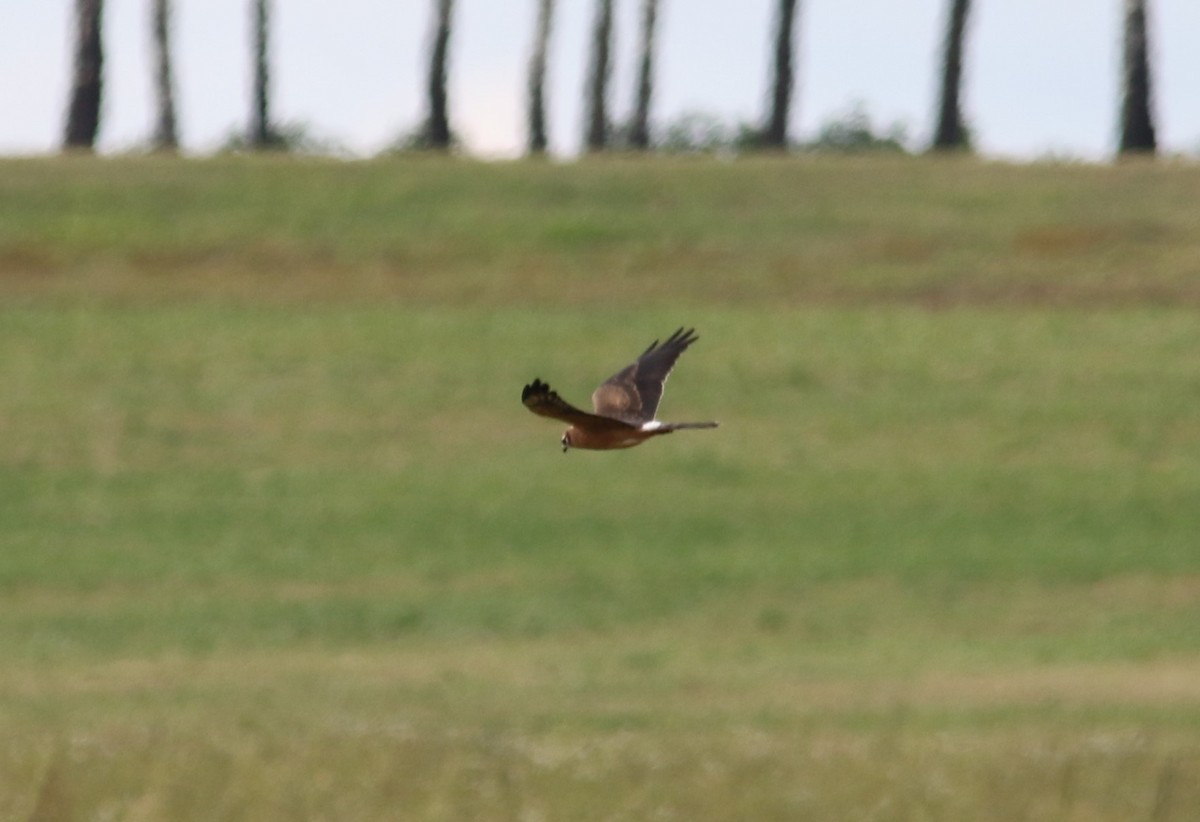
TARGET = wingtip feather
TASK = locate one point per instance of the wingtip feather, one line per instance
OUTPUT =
(535, 387)
(682, 337)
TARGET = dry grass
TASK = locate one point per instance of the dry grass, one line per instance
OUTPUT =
(433, 731)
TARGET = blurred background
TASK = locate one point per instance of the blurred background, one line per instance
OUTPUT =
(279, 541)
(1040, 79)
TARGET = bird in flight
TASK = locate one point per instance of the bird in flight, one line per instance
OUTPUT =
(623, 407)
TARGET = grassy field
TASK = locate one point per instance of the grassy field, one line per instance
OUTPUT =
(277, 540)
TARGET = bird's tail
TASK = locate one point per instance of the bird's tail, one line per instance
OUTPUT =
(668, 427)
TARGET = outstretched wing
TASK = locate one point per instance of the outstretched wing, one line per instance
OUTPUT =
(541, 400)
(633, 393)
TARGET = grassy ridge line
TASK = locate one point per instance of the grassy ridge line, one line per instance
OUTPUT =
(752, 232)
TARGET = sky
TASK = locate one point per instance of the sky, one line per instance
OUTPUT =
(1041, 76)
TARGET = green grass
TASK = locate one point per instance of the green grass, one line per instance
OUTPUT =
(280, 542)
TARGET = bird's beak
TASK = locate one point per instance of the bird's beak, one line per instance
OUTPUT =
(565, 447)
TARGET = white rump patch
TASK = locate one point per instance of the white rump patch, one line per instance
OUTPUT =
(652, 425)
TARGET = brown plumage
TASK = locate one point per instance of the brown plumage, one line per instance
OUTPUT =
(623, 407)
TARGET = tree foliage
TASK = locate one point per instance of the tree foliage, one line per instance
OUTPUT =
(702, 132)
(293, 137)
(854, 132)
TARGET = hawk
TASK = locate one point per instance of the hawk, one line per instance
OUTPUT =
(624, 405)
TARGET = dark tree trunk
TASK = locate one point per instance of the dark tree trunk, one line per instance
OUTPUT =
(537, 78)
(639, 129)
(950, 134)
(87, 86)
(166, 137)
(262, 133)
(775, 133)
(596, 136)
(437, 126)
(1137, 122)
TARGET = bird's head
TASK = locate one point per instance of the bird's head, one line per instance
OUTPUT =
(566, 440)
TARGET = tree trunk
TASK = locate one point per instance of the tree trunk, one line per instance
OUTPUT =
(596, 137)
(537, 78)
(437, 127)
(1137, 122)
(166, 137)
(950, 134)
(639, 129)
(262, 134)
(83, 112)
(775, 134)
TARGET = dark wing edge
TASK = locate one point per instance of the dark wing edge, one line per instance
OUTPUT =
(634, 392)
(542, 400)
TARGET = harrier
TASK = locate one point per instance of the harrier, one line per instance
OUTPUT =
(624, 405)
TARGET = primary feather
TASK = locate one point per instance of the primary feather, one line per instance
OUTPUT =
(634, 392)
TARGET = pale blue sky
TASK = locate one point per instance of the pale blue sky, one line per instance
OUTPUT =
(1041, 74)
